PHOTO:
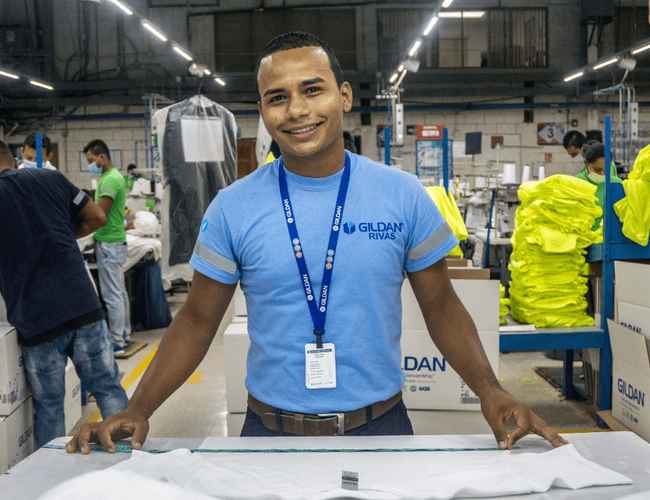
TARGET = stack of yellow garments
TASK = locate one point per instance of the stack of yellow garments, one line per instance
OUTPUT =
(449, 210)
(634, 209)
(553, 228)
(504, 305)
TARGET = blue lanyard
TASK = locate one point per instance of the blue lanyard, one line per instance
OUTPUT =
(317, 304)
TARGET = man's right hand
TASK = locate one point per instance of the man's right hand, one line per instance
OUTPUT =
(119, 426)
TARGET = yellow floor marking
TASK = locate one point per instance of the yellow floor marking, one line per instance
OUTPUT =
(195, 378)
(130, 379)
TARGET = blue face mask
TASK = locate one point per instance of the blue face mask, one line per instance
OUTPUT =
(94, 169)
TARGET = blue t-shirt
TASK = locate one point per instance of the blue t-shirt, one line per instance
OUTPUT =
(391, 226)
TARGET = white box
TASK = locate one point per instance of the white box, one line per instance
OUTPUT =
(632, 283)
(235, 422)
(631, 379)
(429, 381)
(72, 398)
(13, 384)
(634, 317)
(235, 351)
(16, 435)
(240, 302)
(480, 298)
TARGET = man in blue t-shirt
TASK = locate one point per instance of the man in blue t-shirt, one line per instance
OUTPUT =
(320, 241)
(49, 296)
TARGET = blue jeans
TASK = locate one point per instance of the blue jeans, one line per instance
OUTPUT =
(91, 352)
(395, 422)
(110, 259)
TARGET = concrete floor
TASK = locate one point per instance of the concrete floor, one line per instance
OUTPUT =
(198, 408)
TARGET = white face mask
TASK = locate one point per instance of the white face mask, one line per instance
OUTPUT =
(29, 164)
(596, 178)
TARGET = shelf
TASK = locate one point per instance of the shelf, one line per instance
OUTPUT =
(552, 338)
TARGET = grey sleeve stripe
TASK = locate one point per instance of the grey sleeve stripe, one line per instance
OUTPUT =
(81, 196)
(437, 238)
(111, 193)
(214, 258)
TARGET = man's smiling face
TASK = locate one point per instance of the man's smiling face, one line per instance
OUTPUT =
(301, 103)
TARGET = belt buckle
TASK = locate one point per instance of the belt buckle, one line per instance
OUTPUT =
(340, 421)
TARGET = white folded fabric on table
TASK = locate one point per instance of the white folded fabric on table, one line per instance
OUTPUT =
(382, 475)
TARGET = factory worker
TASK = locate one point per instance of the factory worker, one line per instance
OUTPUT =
(28, 153)
(49, 296)
(573, 141)
(594, 171)
(321, 261)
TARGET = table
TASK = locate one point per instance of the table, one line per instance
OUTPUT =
(623, 452)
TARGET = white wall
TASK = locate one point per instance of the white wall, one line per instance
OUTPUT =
(520, 138)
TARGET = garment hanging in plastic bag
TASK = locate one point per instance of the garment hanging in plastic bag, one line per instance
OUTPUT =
(197, 155)
(449, 210)
(634, 209)
(554, 227)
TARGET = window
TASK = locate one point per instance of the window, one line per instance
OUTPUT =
(241, 36)
(488, 38)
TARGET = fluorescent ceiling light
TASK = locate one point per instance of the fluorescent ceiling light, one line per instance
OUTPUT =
(400, 68)
(641, 49)
(604, 64)
(123, 7)
(415, 47)
(220, 81)
(574, 76)
(393, 77)
(42, 85)
(207, 72)
(158, 34)
(430, 26)
(465, 14)
(9, 75)
(183, 53)
(447, 3)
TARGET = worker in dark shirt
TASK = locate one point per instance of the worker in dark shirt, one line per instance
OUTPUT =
(49, 296)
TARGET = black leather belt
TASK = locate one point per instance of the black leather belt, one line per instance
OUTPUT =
(321, 424)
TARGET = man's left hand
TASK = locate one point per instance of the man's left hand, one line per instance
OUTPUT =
(501, 409)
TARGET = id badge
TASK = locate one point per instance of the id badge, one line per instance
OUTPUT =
(320, 366)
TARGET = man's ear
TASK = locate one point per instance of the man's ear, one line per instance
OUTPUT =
(346, 95)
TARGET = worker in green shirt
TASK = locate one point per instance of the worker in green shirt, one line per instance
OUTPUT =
(110, 242)
(594, 171)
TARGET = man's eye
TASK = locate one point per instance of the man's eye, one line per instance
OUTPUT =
(313, 90)
(276, 98)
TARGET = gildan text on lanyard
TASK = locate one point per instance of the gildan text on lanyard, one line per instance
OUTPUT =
(317, 305)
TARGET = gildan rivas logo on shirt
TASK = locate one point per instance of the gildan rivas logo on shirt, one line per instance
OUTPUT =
(375, 230)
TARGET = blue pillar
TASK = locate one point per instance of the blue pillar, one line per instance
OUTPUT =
(39, 150)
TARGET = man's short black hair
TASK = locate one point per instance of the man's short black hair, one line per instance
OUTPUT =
(131, 166)
(30, 141)
(298, 40)
(593, 150)
(98, 147)
(6, 157)
(574, 138)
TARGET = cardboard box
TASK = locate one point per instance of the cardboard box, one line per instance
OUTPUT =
(72, 398)
(631, 283)
(3, 311)
(630, 378)
(429, 381)
(634, 317)
(480, 298)
(16, 435)
(468, 273)
(234, 423)
(13, 384)
(239, 299)
(235, 351)
(457, 262)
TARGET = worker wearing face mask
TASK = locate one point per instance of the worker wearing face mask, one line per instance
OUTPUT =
(594, 171)
(28, 153)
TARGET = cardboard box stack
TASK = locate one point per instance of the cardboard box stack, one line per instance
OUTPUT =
(235, 348)
(16, 412)
(429, 381)
(630, 340)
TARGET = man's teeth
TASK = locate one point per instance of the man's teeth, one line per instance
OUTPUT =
(304, 130)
